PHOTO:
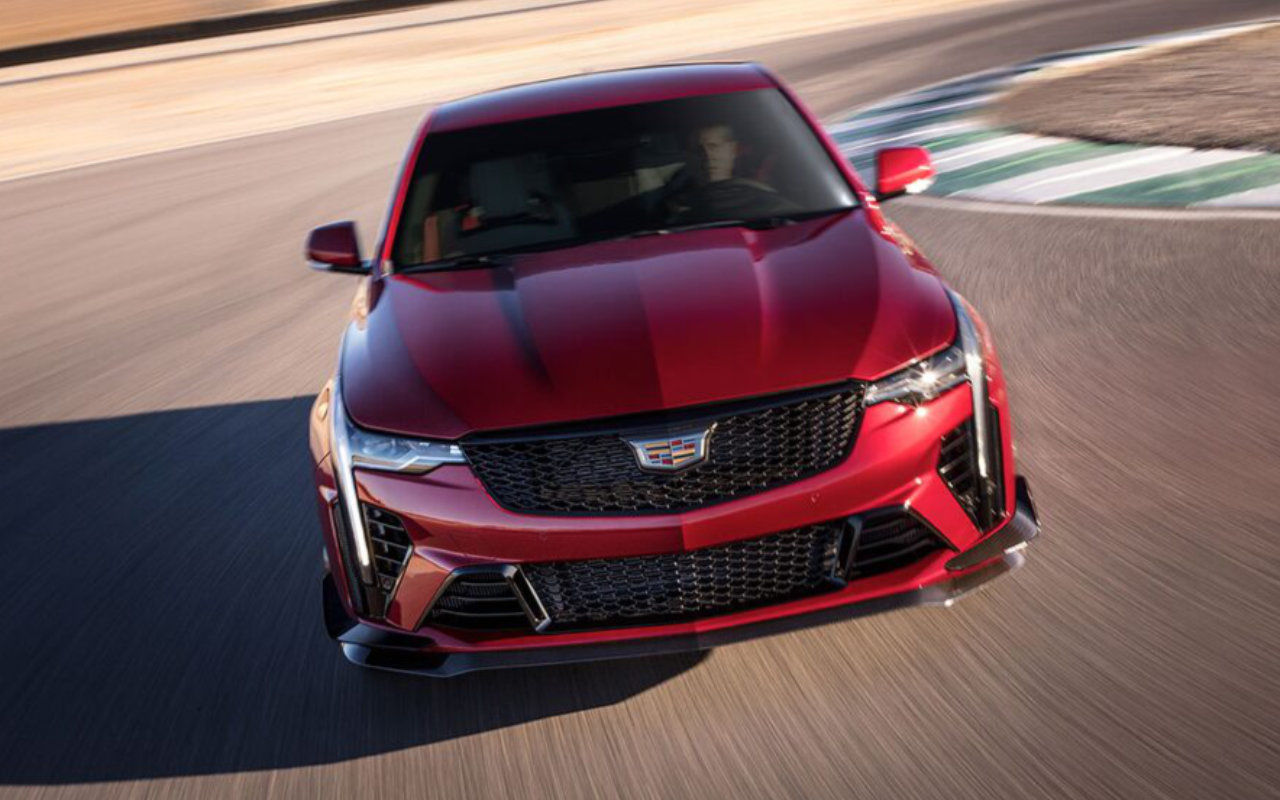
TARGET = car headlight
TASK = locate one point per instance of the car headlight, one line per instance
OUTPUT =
(930, 377)
(398, 454)
(922, 381)
(355, 447)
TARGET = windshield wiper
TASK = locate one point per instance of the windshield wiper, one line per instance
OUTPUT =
(501, 257)
(493, 258)
(756, 224)
(471, 261)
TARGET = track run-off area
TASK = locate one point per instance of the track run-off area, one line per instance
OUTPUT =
(162, 625)
(979, 159)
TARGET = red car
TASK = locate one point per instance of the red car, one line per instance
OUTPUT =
(638, 365)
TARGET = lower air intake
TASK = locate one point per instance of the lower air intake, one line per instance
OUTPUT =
(391, 547)
(889, 538)
(713, 580)
(480, 600)
(982, 500)
(646, 590)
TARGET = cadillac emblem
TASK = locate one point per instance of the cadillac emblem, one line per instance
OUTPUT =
(671, 453)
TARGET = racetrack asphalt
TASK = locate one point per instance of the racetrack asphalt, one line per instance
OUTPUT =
(160, 624)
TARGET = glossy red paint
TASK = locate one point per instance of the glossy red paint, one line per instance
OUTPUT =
(672, 320)
(454, 523)
(335, 245)
(654, 323)
(598, 90)
(899, 167)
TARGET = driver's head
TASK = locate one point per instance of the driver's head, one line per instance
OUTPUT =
(717, 151)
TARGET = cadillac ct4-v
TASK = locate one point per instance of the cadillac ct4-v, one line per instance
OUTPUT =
(638, 365)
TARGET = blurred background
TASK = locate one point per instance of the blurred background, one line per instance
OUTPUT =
(1109, 197)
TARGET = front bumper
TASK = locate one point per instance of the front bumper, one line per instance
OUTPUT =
(382, 648)
(452, 523)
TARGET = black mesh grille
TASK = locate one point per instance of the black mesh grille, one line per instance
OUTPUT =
(597, 473)
(890, 538)
(479, 600)
(708, 581)
(705, 582)
(390, 543)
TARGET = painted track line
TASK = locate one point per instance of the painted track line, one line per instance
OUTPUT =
(939, 130)
(968, 84)
(1169, 214)
(931, 110)
(1103, 172)
(1192, 186)
(1262, 196)
(986, 162)
(1003, 147)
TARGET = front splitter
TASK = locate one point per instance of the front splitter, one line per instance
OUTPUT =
(377, 648)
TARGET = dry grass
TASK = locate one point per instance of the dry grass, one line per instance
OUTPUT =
(1220, 93)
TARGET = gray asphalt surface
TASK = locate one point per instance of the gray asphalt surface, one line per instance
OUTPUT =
(160, 619)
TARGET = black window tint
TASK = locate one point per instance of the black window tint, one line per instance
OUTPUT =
(570, 178)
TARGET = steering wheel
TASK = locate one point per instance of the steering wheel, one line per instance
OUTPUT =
(728, 199)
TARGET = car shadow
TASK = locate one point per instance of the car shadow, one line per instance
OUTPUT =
(161, 613)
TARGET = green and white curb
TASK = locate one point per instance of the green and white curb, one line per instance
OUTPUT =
(981, 162)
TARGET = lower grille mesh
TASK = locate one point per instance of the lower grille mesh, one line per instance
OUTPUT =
(702, 582)
(479, 600)
(890, 538)
(699, 583)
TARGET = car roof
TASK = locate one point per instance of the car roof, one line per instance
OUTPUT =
(598, 90)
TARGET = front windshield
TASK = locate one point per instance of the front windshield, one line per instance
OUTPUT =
(556, 181)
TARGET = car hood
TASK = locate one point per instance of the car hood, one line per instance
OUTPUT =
(638, 325)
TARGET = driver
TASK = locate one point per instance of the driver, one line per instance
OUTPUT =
(717, 151)
(715, 190)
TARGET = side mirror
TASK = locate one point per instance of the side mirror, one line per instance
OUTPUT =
(334, 248)
(903, 170)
